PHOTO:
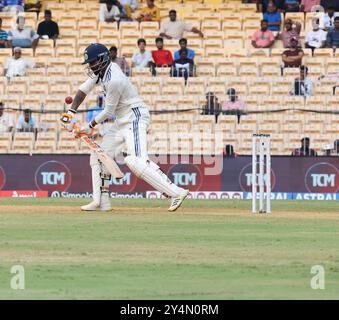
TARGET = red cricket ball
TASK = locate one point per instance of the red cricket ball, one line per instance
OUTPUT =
(68, 100)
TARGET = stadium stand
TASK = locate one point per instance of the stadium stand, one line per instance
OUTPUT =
(224, 59)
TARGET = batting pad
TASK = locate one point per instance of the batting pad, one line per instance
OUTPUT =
(152, 174)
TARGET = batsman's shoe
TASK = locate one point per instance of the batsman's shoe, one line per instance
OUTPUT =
(176, 202)
(104, 205)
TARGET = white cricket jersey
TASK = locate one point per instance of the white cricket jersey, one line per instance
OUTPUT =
(120, 94)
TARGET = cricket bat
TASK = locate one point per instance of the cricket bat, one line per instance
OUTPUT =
(104, 158)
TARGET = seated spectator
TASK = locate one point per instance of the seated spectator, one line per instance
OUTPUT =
(262, 5)
(263, 38)
(33, 6)
(302, 85)
(26, 122)
(292, 30)
(330, 3)
(162, 57)
(6, 120)
(174, 29)
(234, 105)
(142, 58)
(305, 150)
(212, 106)
(16, 66)
(12, 6)
(183, 45)
(307, 5)
(151, 13)
(273, 17)
(327, 19)
(22, 37)
(184, 66)
(332, 39)
(292, 57)
(126, 8)
(3, 36)
(109, 12)
(229, 151)
(48, 29)
(336, 148)
(316, 38)
(291, 5)
(120, 61)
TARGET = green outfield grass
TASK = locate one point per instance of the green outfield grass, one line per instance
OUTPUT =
(207, 250)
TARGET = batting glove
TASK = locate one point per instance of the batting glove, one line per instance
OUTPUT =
(69, 119)
(86, 129)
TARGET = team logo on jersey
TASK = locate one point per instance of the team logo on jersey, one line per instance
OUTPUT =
(2, 178)
(53, 176)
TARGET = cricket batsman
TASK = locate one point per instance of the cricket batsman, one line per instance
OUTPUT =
(129, 129)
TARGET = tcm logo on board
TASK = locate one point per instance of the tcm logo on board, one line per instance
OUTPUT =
(322, 177)
(245, 178)
(53, 176)
(126, 184)
(2, 178)
(186, 175)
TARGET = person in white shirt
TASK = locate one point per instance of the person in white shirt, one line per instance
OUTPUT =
(22, 36)
(327, 19)
(142, 58)
(127, 8)
(174, 29)
(315, 38)
(16, 66)
(129, 130)
(302, 85)
(6, 120)
(109, 12)
(26, 122)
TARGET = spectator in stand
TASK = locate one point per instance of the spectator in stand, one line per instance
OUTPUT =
(273, 17)
(151, 13)
(174, 29)
(306, 5)
(229, 151)
(161, 57)
(290, 32)
(336, 148)
(6, 120)
(16, 66)
(127, 7)
(120, 61)
(234, 105)
(212, 106)
(330, 3)
(109, 12)
(184, 66)
(305, 150)
(263, 38)
(332, 40)
(33, 6)
(327, 19)
(263, 4)
(292, 5)
(183, 45)
(27, 123)
(142, 58)
(302, 85)
(292, 57)
(3, 36)
(12, 5)
(48, 29)
(316, 38)
(22, 37)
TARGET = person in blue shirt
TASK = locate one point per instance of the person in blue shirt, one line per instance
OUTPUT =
(183, 45)
(273, 17)
(12, 5)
